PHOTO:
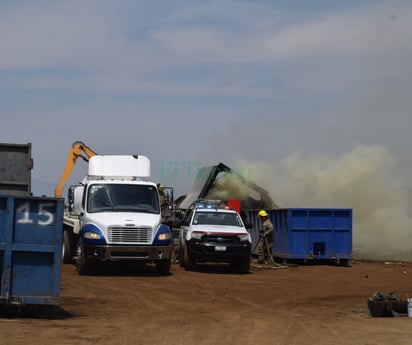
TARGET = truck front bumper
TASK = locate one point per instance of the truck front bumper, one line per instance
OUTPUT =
(218, 253)
(121, 253)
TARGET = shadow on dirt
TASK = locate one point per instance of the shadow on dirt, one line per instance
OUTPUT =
(307, 262)
(216, 268)
(149, 270)
(46, 312)
(314, 262)
(127, 269)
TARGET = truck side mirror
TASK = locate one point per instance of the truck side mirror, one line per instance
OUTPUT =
(70, 198)
(77, 200)
(248, 226)
(169, 194)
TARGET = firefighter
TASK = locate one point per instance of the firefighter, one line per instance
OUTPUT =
(162, 195)
(266, 238)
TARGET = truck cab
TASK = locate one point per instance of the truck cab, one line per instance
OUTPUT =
(115, 215)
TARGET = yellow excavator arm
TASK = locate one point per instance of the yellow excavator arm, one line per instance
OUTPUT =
(77, 150)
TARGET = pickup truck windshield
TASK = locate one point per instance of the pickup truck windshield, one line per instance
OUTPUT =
(216, 218)
(122, 198)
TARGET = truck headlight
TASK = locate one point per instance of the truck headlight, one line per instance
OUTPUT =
(91, 235)
(244, 238)
(197, 235)
(165, 236)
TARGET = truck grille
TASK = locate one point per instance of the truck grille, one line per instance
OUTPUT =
(220, 239)
(119, 234)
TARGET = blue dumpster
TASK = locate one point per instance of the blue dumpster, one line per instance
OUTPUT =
(30, 249)
(308, 233)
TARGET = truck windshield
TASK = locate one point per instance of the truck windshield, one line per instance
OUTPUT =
(216, 218)
(122, 198)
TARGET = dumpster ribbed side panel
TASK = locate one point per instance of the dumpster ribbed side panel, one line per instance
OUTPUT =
(30, 249)
(16, 164)
(308, 233)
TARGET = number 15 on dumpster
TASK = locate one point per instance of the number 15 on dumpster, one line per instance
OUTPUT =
(37, 213)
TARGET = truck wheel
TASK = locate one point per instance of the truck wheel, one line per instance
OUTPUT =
(181, 256)
(84, 266)
(163, 267)
(243, 266)
(67, 257)
(188, 260)
(176, 247)
(180, 251)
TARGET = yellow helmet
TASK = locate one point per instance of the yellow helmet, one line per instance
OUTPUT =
(262, 213)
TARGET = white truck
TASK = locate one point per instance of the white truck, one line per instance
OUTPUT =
(212, 232)
(114, 214)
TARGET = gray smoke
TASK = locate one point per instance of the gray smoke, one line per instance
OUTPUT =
(364, 179)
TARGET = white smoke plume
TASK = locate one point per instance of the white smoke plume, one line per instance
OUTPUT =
(232, 186)
(229, 186)
(364, 179)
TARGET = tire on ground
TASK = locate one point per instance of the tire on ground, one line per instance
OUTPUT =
(242, 266)
(163, 267)
(84, 265)
(188, 260)
(67, 249)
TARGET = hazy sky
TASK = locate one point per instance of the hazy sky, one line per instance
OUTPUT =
(311, 98)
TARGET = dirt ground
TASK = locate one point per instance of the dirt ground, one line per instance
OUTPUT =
(306, 304)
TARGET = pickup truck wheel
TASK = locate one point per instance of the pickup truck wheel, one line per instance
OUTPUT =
(163, 267)
(243, 266)
(67, 257)
(176, 253)
(176, 247)
(180, 251)
(84, 266)
(188, 260)
(181, 256)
